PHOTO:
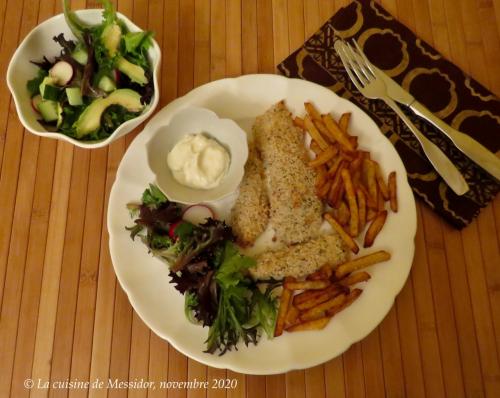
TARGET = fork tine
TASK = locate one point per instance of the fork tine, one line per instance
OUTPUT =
(365, 58)
(360, 62)
(339, 47)
(354, 65)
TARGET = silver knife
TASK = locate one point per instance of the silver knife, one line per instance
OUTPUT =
(468, 146)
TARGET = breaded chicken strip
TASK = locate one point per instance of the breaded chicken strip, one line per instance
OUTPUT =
(295, 209)
(301, 259)
(250, 214)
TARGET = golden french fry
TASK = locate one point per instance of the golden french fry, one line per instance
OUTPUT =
(369, 200)
(315, 148)
(380, 202)
(306, 285)
(360, 196)
(324, 131)
(354, 141)
(369, 179)
(374, 228)
(361, 262)
(299, 122)
(353, 205)
(324, 156)
(351, 297)
(336, 132)
(393, 191)
(314, 133)
(335, 166)
(285, 299)
(344, 121)
(352, 279)
(355, 165)
(381, 182)
(319, 310)
(343, 214)
(343, 235)
(339, 196)
(323, 273)
(323, 191)
(316, 324)
(312, 111)
(370, 214)
(292, 317)
(321, 296)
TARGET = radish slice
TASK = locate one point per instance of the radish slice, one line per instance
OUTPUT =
(117, 75)
(197, 214)
(35, 101)
(62, 72)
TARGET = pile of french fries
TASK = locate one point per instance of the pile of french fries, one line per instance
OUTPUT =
(310, 304)
(347, 179)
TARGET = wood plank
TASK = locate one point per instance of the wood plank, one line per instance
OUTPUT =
(240, 390)
(30, 296)
(16, 256)
(139, 355)
(256, 386)
(296, 23)
(196, 371)
(158, 365)
(410, 346)
(249, 58)
(87, 284)
(171, 47)
(280, 30)
(177, 370)
(426, 322)
(202, 42)
(295, 384)
(65, 308)
(353, 371)
(273, 386)
(217, 39)
(468, 343)
(315, 381)
(52, 263)
(264, 33)
(185, 47)
(334, 378)
(233, 38)
(391, 356)
(373, 370)
(488, 350)
(213, 375)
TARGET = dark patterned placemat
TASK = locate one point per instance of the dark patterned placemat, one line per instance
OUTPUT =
(453, 96)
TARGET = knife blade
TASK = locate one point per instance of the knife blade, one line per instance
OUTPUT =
(467, 145)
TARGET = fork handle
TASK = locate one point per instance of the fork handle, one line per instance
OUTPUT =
(444, 166)
(470, 147)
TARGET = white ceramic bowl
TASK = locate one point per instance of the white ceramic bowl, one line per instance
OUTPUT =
(39, 43)
(194, 120)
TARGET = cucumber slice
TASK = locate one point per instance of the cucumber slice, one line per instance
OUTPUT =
(74, 95)
(46, 81)
(80, 55)
(51, 92)
(49, 110)
(107, 84)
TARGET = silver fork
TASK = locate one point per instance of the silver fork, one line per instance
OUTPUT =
(371, 86)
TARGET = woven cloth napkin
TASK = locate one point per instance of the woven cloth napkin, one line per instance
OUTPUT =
(441, 86)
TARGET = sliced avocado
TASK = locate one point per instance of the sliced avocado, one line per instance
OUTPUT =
(74, 95)
(111, 36)
(90, 119)
(133, 71)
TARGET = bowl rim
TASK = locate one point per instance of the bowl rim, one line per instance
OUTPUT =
(148, 110)
(236, 167)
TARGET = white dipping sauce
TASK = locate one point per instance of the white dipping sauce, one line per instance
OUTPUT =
(198, 161)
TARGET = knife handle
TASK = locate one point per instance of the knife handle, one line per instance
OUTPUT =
(468, 146)
(444, 166)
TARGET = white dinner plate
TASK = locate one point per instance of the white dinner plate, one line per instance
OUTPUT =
(145, 279)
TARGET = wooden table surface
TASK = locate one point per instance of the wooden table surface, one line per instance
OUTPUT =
(65, 317)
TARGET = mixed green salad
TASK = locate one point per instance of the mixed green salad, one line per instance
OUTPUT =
(99, 81)
(207, 268)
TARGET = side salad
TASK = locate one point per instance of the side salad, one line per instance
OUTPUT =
(207, 268)
(99, 81)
